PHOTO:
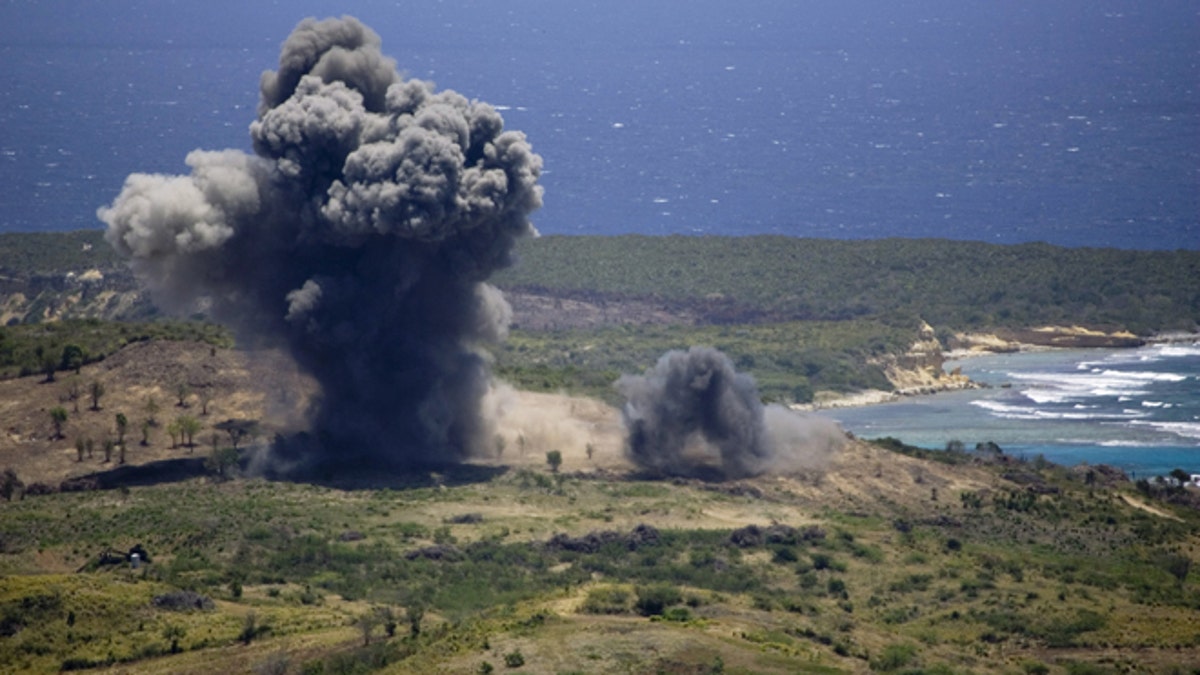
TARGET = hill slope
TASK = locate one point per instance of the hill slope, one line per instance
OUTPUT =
(881, 559)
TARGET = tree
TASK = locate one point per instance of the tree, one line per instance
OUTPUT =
(221, 460)
(415, 612)
(182, 391)
(174, 632)
(238, 429)
(1180, 475)
(152, 409)
(108, 449)
(251, 629)
(591, 450)
(175, 431)
(554, 459)
(188, 427)
(91, 447)
(10, 485)
(122, 427)
(72, 358)
(366, 624)
(146, 432)
(74, 392)
(58, 415)
(206, 397)
(80, 446)
(388, 617)
(49, 365)
(96, 391)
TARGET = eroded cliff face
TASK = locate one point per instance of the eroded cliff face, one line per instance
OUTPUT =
(920, 369)
(91, 293)
(1066, 337)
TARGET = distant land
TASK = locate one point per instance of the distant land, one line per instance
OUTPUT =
(803, 315)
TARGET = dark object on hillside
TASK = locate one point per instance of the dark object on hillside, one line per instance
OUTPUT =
(351, 535)
(435, 552)
(941, 520)
(642, 535)
(753, 535)
(140, 552)
(82, 484)
(36, 489)
(1099, 474)
(465, 519)
(183, 601)
(736, 490)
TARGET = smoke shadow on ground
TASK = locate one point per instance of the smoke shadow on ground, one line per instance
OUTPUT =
(179, 470)
(352, 478)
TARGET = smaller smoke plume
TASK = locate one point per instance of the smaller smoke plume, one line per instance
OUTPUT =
(693, 414)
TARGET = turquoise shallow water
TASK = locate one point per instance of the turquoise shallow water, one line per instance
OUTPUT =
(1137, 409)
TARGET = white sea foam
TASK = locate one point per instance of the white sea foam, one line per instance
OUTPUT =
(1122, 444)
(1022, 412)
(1178, 351)
(1046, 388)
(1190, 430)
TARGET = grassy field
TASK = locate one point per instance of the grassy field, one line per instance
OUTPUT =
(885, 563)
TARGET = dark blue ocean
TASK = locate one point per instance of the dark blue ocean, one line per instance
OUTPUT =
(1136, 409)
(1074, 122)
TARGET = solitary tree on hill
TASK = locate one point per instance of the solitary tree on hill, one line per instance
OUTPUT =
(74, 392)
(206, 397)
(152, 409)
(49, 365)
(182, 392)
(554, 459)
(72, 358)
(96, 391)
(122, 427)
(58, 415)
(10, 484)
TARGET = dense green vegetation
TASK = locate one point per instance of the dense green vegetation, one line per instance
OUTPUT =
(488, 565)
(790, 361)
(29, 253)
(65, 345)
(953, 284)
(950, 284)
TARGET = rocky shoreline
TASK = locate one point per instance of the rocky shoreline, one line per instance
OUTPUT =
(920, 371)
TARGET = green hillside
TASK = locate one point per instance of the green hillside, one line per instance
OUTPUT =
(950, 284)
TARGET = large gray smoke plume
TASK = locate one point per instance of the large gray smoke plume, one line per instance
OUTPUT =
(359, 235)
(693, 414)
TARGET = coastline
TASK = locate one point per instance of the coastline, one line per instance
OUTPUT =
(920, 381)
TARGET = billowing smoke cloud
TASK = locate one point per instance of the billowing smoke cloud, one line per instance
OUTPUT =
(693, 414)
(359, 235)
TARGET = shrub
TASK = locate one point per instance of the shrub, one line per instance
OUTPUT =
(652, 600)
(894, 657)
(606, 600)
(514, 659)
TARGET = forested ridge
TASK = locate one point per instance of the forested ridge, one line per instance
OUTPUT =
(950, 284)
(761, 279)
